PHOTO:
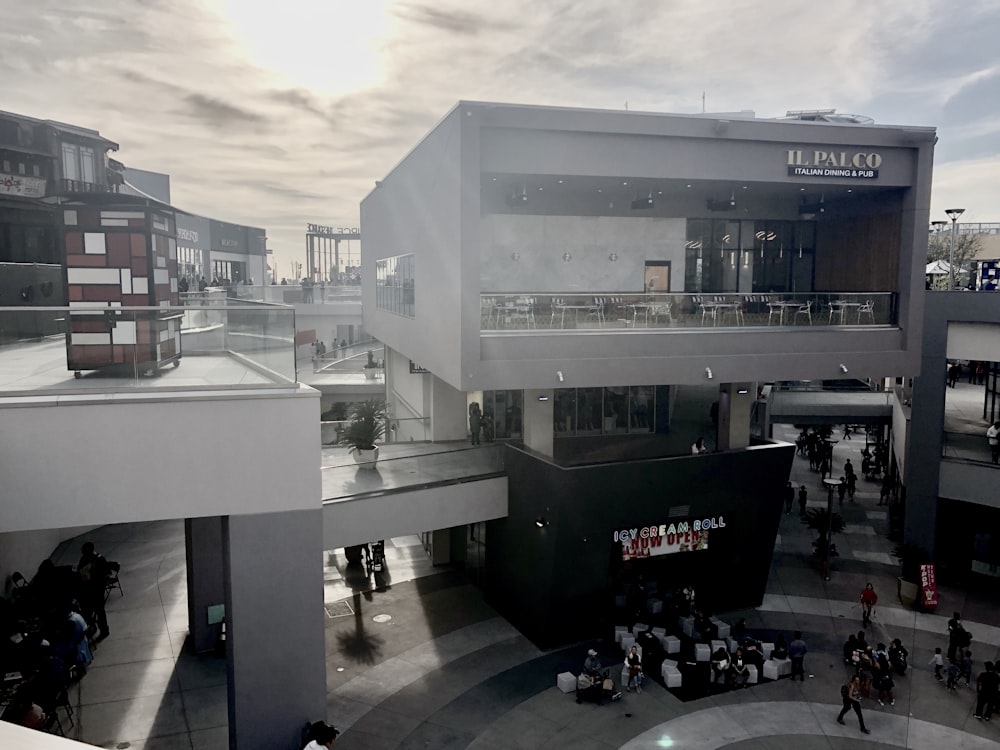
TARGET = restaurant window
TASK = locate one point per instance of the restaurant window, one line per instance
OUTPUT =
(395, 284)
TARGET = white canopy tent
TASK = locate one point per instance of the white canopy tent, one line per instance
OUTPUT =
(937, 268)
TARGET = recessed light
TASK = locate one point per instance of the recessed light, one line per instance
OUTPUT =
(560, 182)
(539, 188)
(746, 187)
(802, 190)
(850, 190)
(659, 192)
(689, 186)
(624, 183)
(599, 190)
(494, 179)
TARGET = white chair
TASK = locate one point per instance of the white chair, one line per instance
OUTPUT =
(723, 627)
(752, 676)
(806, 310)
(672, 676)
(671, 644)
(766, 649)
(628, 641)
(687, 626)
(620, 630)
(566, 682)
(640, 627)
(659, 633)
(774, 308)
(868, 308)
(702, 652)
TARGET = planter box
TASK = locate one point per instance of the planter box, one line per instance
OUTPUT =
(907, 591)
(365, 459)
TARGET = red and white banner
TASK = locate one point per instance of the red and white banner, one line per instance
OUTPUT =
(667, 539)
(928, 586)
(25, 187)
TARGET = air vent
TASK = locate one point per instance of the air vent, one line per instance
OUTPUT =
(679, 511)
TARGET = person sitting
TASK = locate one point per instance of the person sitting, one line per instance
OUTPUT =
(720, 666)
(634, 663)
(319, 735)
(752, 654)
(594, 684)
(738, 671)
(739, 630)
(592, 664)
(780, 648)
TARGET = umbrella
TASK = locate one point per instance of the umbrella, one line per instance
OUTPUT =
(937, 268)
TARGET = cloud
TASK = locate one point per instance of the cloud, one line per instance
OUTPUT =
(248, 135)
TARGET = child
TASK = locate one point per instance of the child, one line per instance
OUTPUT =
(938, 661)
(953, 673)
(965, 667)
(885, 686)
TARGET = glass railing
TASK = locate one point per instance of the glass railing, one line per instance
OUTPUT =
(964, 446)
(504, 312)
(279, 294)
(406, 430)
(426, 465)
(88, 347)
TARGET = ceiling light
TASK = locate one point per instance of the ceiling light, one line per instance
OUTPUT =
(540, 522)
(613, 257)
(843, 369)
(708, 373)
(567, 257)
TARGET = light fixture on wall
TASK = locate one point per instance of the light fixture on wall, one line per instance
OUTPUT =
(708, 373)
(613, 257)
(567, 257)
(560, 375)
(843, 369)
(515, 256)
(540, 522)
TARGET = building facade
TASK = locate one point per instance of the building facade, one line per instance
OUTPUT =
(582, 267)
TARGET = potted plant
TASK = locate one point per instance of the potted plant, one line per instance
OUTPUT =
(910, 556)
(371, 367)
(365, 427)
(823, 523)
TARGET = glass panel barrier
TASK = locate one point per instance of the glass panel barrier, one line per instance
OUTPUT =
(522, 312)
(346, 479)
(97, 348)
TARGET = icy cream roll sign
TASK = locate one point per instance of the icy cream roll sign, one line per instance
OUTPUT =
(666, 539)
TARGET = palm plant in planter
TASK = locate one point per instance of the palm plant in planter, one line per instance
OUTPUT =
(365, 428)
(822, 522)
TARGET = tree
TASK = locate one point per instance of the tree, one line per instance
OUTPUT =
(967, 247)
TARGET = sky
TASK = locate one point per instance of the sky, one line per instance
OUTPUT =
(280, 114)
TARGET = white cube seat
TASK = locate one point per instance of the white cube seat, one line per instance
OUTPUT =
(702, 652)
(628, 641)
(775, 668)
(716, 645)
(723, 627)
(659, 632)
(639, 627)
(566, 681)
(671, 644)
(672, 676)
(752, 674)
(624, 678)
(654, 606)
(732, 644)
(670, 663)
(766, 649)
(620, 630)
(687, 626)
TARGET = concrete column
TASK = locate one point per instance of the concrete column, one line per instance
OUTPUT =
(449, 411)
(275, 656)
(206, 585)
(735, 401)
(537, 419)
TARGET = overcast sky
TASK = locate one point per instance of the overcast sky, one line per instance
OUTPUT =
(278, 114)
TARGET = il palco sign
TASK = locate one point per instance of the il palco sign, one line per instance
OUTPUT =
(861, 165)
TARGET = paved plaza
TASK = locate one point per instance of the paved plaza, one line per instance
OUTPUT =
(417, 658)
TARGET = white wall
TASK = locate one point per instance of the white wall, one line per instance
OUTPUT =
(359, 520)
(113, 458)
(972, 340)
(540, 242)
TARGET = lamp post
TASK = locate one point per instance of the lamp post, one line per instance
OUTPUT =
(953, 214)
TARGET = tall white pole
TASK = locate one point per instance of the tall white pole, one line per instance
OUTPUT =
(951, 256)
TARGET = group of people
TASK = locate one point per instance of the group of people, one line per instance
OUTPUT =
(47, 633)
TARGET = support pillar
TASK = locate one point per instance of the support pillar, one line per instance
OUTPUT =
(275, 656)
(206, 585)
(537, 418)
(735, 402)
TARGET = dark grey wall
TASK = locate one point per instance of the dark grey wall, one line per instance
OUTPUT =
(923, 464)
(552, 583)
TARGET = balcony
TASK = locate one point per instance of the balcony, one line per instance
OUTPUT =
(70, 187)
(92, 348)
(598, 311)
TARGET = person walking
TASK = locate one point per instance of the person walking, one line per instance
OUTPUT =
(993, 438)
(987, 685)
(797, 653)
(803, 497)
(850, 692)
(938, 661)
(868, 600)
(789, 498)
(957, 636)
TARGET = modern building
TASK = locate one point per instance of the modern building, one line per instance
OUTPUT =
(573, 271)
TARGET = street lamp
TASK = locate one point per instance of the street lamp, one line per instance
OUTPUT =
(953, 214)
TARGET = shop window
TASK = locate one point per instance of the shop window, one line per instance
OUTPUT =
(78, 163)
